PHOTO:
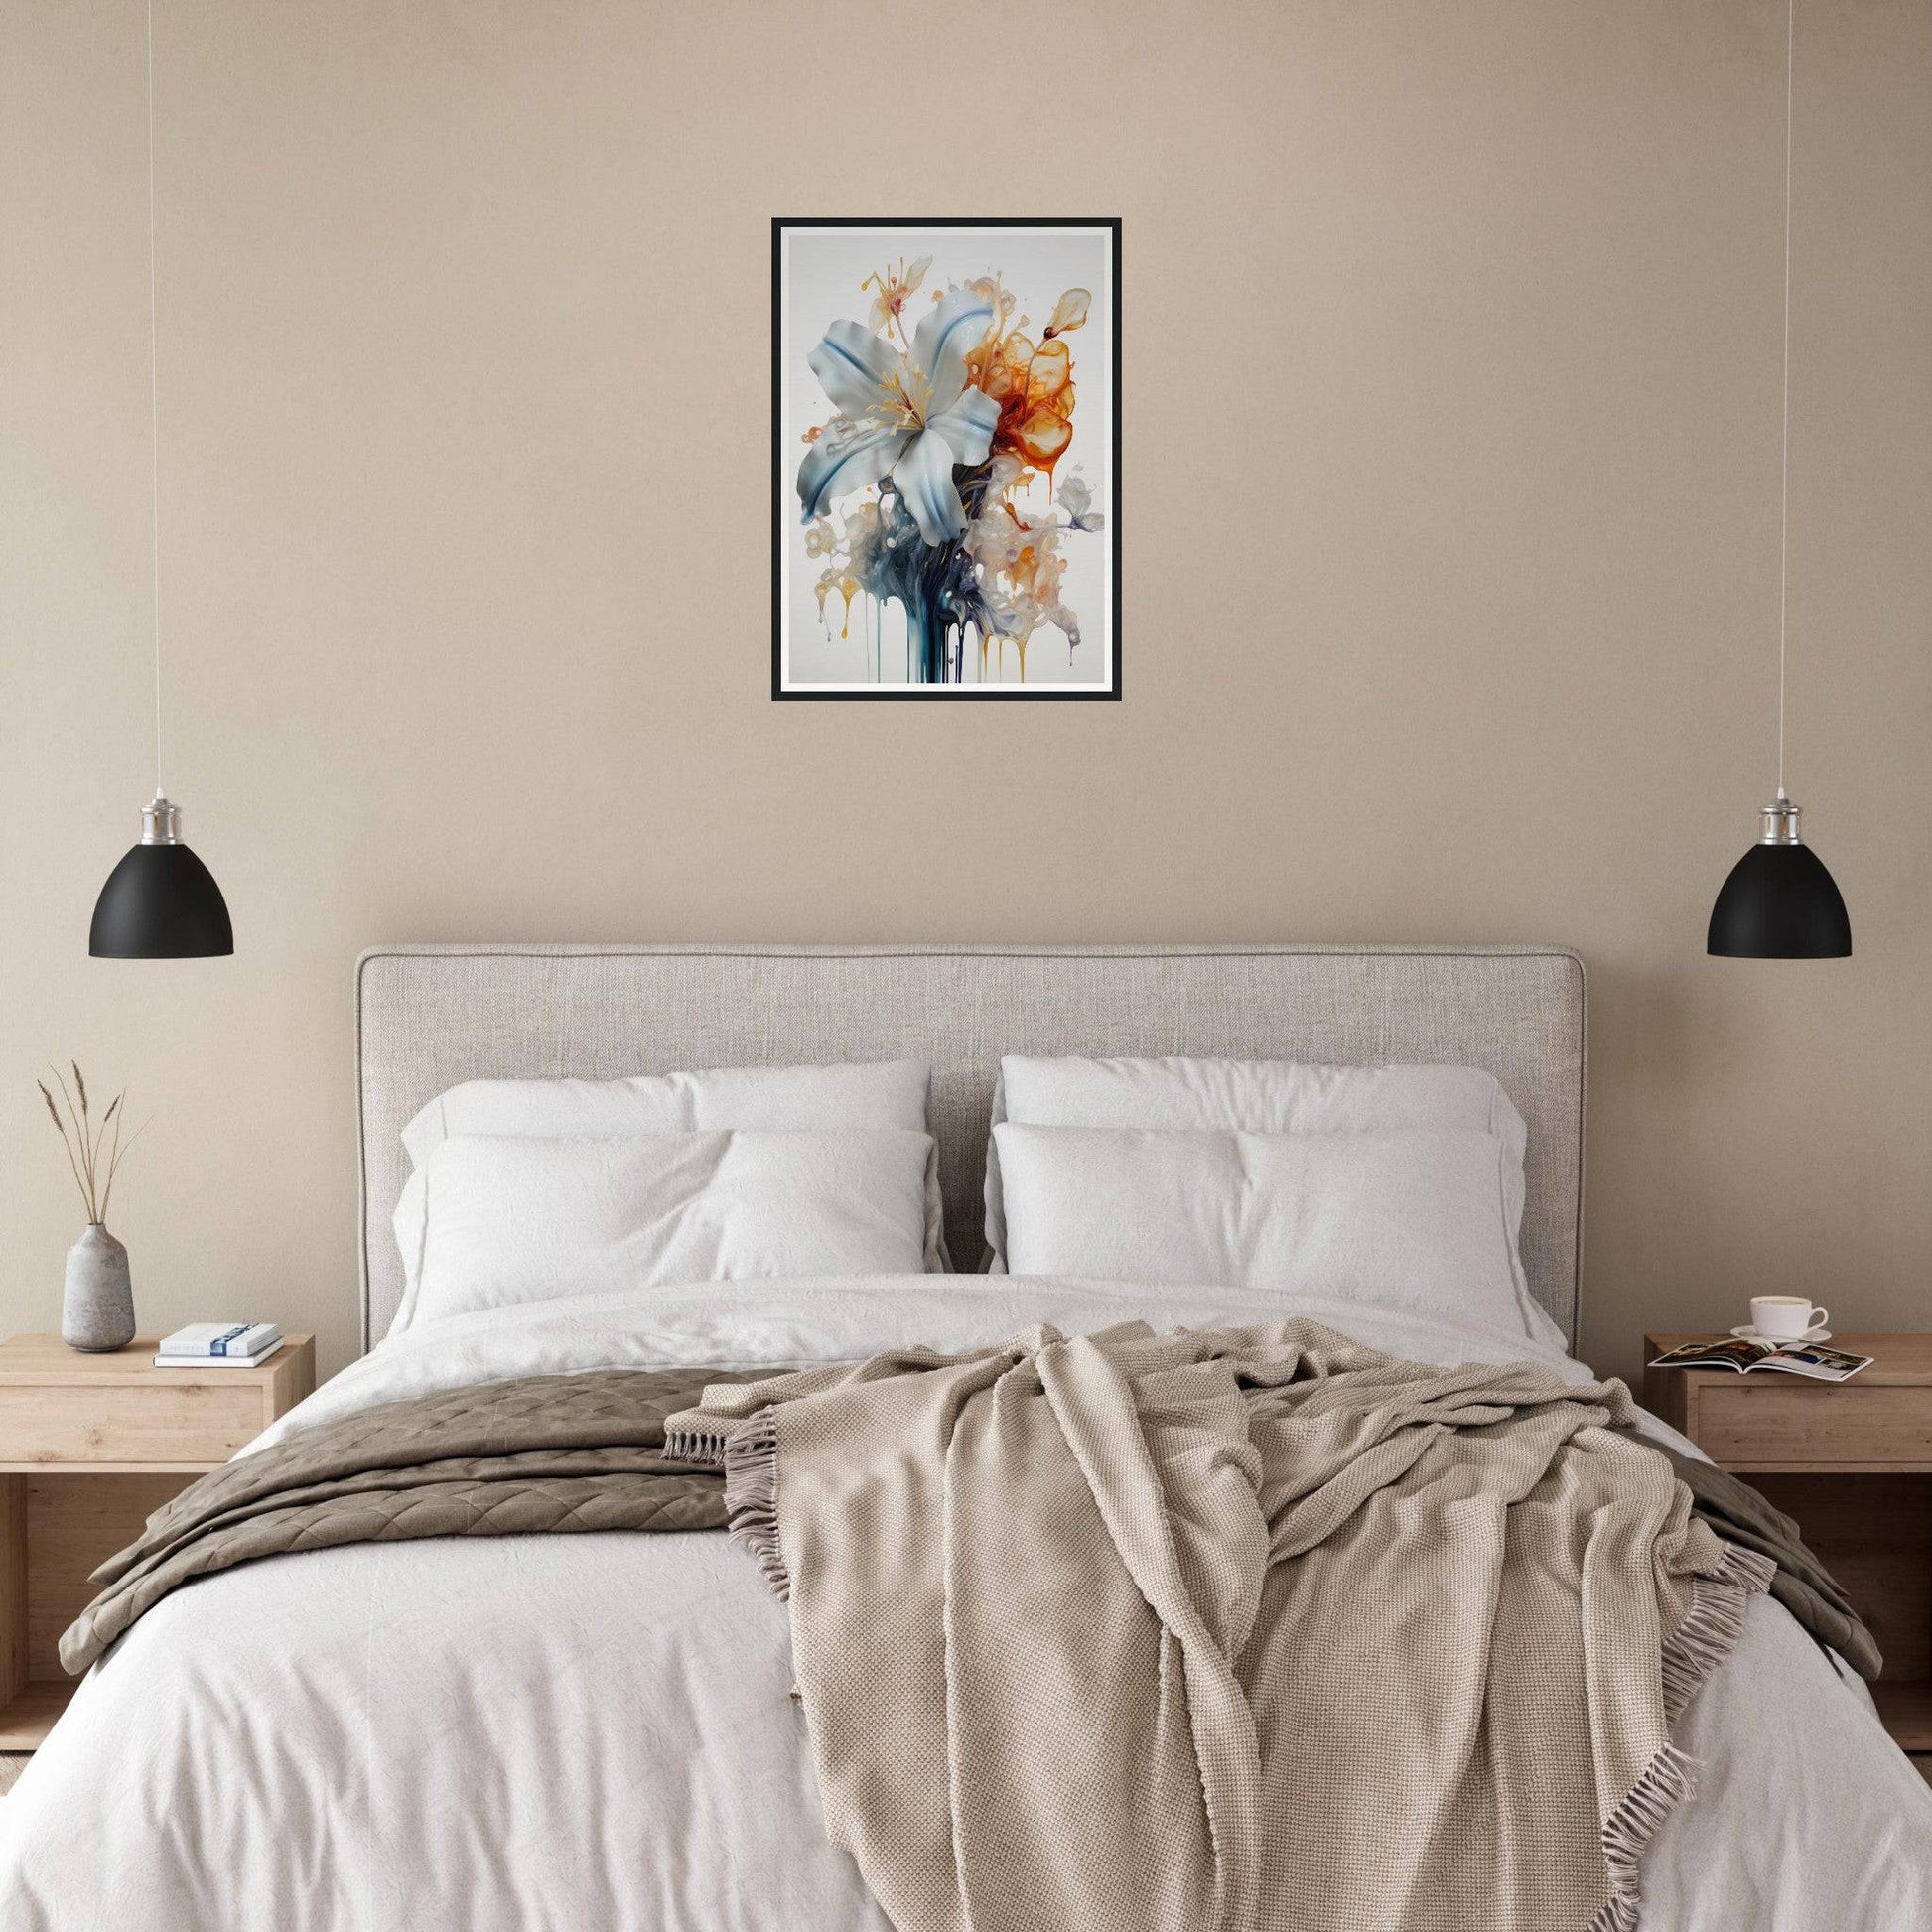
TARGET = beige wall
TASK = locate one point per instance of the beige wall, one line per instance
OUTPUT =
(1450, 542)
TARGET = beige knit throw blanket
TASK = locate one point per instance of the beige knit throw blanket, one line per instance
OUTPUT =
(1247, 1628)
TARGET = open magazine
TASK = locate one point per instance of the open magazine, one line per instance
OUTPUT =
(1791, 1358)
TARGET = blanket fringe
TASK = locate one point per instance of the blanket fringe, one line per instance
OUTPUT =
(1708, 1635)
(1695, 1648)
(751, 1455)
(699, 1443)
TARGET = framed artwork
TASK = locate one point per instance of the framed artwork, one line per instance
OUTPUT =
(945, 457)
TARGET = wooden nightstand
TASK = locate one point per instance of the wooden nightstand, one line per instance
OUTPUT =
(1852, 1461)
(89, 1447)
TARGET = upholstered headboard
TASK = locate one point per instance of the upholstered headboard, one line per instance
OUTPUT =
(428, 1017)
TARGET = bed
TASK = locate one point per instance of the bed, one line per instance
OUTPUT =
(538, 1731)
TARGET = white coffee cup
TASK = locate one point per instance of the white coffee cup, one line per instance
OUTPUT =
(1787, 1318)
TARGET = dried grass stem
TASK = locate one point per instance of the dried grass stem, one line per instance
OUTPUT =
(86, 1139)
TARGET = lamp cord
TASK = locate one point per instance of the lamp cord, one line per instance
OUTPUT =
(154, 414)
(1784, 482)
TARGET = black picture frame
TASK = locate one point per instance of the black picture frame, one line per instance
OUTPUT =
(782, 507)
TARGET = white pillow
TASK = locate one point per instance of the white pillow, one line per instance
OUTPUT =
(876, 1094)
(1411, 1220)
(1250, 1097)
(512, 1220)
(772, 1099)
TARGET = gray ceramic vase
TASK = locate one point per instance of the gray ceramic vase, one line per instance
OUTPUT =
(97, 1309)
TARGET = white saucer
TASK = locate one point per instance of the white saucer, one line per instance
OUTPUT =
(1748, 1333)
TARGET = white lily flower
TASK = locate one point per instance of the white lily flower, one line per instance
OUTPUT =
(911, 415)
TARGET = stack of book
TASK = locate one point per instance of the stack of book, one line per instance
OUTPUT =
(219, 1344)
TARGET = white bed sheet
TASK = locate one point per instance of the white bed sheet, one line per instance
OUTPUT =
(583, 1731)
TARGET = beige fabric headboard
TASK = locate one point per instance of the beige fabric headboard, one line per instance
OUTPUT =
(428, 1017)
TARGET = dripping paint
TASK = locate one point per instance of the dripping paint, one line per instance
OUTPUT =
(946, 459)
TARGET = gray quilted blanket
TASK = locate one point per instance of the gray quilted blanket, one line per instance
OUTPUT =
(552, 1454)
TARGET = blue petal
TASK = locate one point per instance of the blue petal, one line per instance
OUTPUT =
(968, 424)
(941, 343)
(924, 479)
(855, 366)
(848, 456)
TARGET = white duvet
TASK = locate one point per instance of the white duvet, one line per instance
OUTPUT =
(597, 1732)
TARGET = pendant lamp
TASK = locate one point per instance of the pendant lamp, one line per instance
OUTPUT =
(1779, 902)
(160, 901)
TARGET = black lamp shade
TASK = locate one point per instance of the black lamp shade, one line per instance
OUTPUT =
(160, 902)
(1780, 902)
